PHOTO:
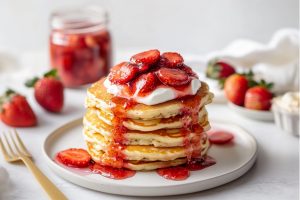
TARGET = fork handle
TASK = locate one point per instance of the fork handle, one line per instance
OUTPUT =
(52, 191)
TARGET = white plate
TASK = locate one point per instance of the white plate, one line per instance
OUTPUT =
(232, 162)
(253, 114)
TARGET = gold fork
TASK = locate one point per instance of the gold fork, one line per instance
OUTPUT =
(15, 150)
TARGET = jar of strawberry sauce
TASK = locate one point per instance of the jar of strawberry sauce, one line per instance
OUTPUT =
(80, 45)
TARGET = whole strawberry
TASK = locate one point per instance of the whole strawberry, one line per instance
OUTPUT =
(235, 88)
(219, 70)
(16, 111)
(259, 97)
(48, 91)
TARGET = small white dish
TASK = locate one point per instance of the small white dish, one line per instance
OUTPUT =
(252, 114)
(232, 162)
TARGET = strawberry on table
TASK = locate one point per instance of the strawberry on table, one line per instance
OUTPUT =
(74, 157)
(123, 73)
(48, 91)
(16, 111)
(219, 70)
(235, 88)
(259, 98)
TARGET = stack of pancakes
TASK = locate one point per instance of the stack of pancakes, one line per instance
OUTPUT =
(144, 137)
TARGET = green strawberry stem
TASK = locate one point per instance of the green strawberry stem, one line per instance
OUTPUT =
(9, 93)
(31, 82)
(51, 73)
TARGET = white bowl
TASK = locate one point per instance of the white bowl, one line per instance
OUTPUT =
(289, 122)
(252, 114)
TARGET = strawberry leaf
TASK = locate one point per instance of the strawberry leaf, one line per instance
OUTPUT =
(31, 82)
(51, 73)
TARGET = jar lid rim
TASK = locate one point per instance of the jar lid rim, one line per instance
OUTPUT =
(78, 17)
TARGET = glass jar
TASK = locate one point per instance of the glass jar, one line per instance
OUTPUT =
(80, 45)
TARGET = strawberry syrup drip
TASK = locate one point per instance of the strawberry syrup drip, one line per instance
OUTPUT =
(114, 155)
(111, 172)
(190, 119)
(179, 173)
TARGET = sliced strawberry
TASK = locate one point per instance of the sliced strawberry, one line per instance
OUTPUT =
(74, 157)
(172, 59)
(220, 137)
(123, 73)
(145, 83)
(143, 67)
(172, 77)
(188, 70)
(147, 57)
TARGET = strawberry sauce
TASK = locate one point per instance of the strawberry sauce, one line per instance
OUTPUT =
(111, 172)
(179, 173)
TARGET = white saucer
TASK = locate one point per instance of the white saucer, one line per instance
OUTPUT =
(253, 114)
(232, 162)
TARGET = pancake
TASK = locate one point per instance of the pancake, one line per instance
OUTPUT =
(148, 152)
(122, 133)
(158, 138)
(95, 116)
(98, 97)
(146, 165)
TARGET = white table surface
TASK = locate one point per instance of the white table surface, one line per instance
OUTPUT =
(274, 176)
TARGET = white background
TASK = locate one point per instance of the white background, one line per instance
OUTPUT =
(187, 26)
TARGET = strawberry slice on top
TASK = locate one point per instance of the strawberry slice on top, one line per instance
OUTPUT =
(123, 73)
(147, 57)
(145, 83)
(172, 77)
(74, 157)
(172, 59)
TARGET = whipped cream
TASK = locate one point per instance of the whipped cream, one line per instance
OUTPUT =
(159, 95)
(290, 102)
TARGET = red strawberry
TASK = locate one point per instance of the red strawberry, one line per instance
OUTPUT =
(123, 73)
(145, 83)
(258, 98)
(220, 137)
(147, 57)
(75, 157)
(143, 67)
(219, 70)
(235, 88)
(172, 77)
(188, 70)
(172, 59)
(48, 91)
(15, 110)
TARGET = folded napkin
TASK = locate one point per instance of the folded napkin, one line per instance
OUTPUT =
(277, 61)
